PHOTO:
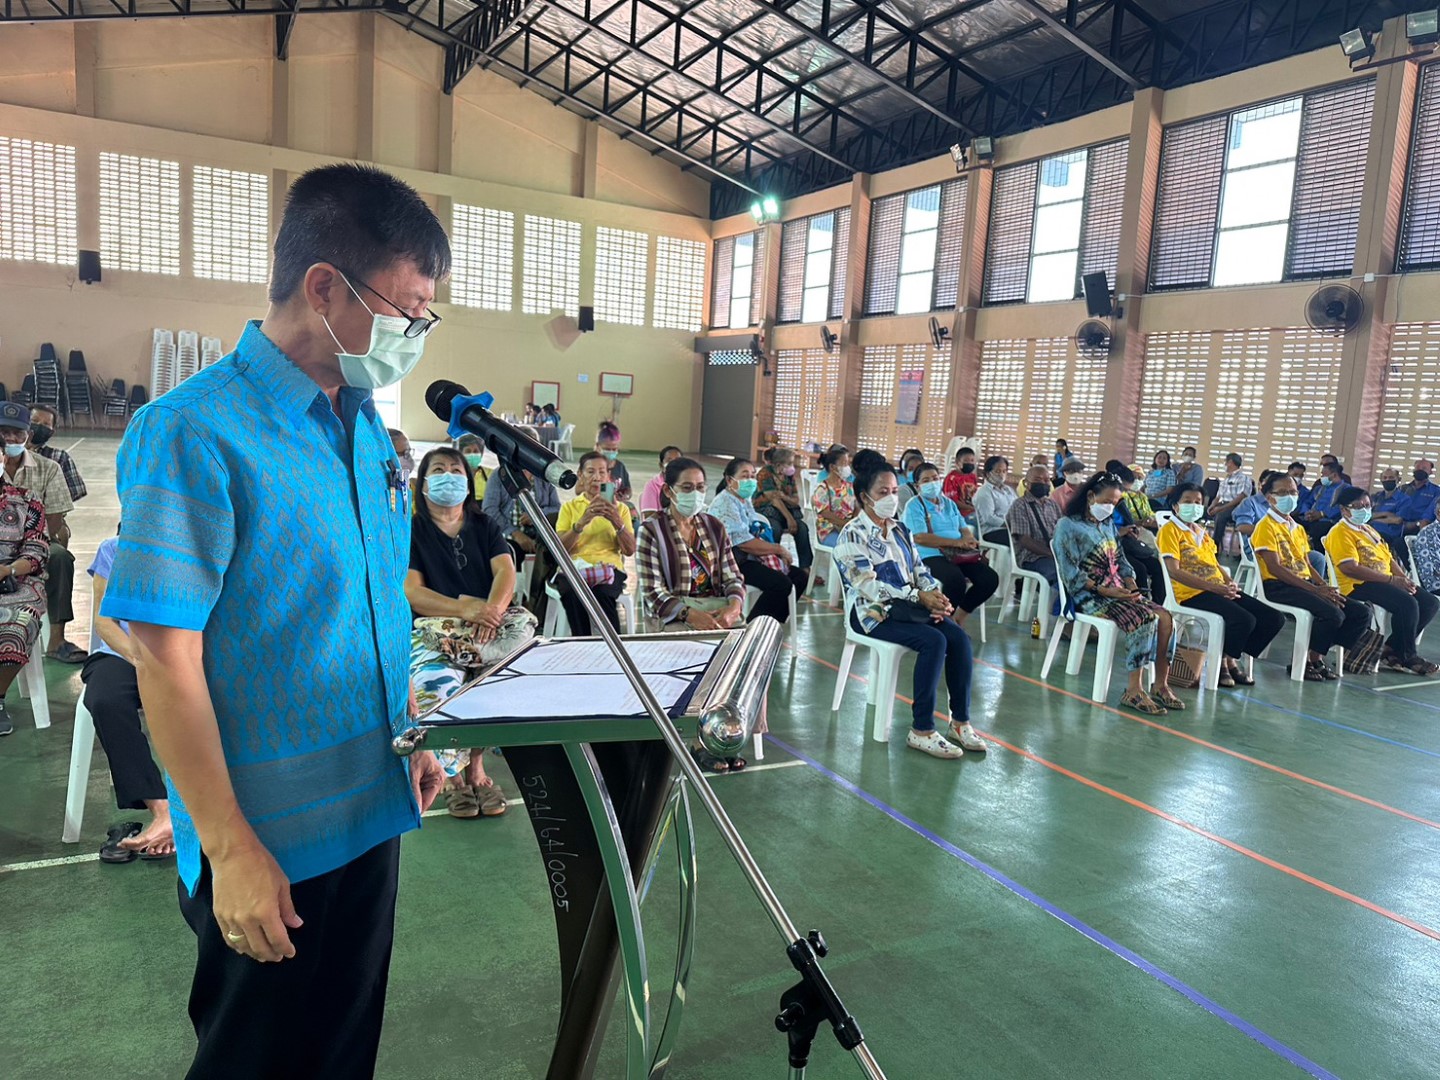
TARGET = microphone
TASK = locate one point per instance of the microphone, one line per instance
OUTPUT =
(464, 412)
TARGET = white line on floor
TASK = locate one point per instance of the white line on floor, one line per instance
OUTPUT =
(1418, 684)
(41, 864)
(72, 446)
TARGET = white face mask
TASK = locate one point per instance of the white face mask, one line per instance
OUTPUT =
(1074, 479)
(886, 507)
(391, 355)
(1102, 511)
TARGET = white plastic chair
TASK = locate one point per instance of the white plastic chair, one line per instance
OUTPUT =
(1002, 562)
(82, 747)
(1247, 573)
(1414, 573)
(522, 576)
(1034, 590)
(1214, 629)
(1107, 638)
(884, 677)
(832, 569)
(805, 483)
(562, 445)
(32, 678)
(557, 623)
(1304, 623)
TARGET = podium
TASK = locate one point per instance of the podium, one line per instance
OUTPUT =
(602, 792)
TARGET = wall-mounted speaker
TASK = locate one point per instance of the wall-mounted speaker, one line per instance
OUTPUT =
(87, 267)
(1097, 295)
(587, 320)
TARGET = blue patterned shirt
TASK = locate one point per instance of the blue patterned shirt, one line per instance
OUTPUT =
(256, 515)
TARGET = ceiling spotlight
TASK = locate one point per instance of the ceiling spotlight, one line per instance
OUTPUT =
(984, 147)
(960, 156)
(765, 209)
(1422, 27)
(1357, 45)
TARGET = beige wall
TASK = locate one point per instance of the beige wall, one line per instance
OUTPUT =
(209, 92)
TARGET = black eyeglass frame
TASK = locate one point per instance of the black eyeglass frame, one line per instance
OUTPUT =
(419, 325)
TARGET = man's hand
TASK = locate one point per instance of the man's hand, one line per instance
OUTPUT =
(251, 903)
(427, 777)
(731, 615)
(696, 619)
(1229, 590)
(523, 542)
(1402, 581)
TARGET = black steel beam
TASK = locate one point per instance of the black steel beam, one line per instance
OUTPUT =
(1068, 32)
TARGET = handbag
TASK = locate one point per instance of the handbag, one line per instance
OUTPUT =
(959, 558)
(1363, 658)
(1187, 661)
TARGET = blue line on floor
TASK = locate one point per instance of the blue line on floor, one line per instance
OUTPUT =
(1214, 1008)
(1336, 724)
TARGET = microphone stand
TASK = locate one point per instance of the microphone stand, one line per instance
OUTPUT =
(813, 1000)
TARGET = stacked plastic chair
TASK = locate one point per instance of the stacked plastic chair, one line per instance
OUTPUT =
(162, 364)
(138, 397)
(187, 355)
(77, 386)
(26, 394)
(47, 379)
(210, 351)
(116, 403)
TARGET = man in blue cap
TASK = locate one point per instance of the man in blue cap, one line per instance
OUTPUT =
(44, 481)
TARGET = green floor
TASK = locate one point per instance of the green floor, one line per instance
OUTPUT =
(1247, 889)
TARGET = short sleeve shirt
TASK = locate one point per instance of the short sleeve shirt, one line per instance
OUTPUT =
(43, 479)
(1287, 539)
(944, 520)
(737, 515)
(842, 503)
(437, 557)
(1194, 551)
(297, 588)
(1356, 543)
(599, 542)
(101, 567)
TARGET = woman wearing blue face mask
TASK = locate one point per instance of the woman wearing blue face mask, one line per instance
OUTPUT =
(1368, 571)
(763, 563)
(460, 586)
(947, 544)
(1101, 581)
(607, 442)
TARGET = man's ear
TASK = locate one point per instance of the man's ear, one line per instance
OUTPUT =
(322, 288)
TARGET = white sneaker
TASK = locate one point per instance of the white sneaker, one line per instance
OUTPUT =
(932, 743)
(968, 738)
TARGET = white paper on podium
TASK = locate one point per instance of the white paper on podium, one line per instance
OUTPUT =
(573, 678)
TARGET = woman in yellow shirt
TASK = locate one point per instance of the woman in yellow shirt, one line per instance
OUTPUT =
(1200, 582)
(1368, 570)
(599, 532)
(1282, 548)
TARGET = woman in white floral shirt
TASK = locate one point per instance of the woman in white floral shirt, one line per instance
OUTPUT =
(891, 596)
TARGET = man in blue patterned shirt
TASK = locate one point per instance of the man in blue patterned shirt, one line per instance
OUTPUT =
(261, 569)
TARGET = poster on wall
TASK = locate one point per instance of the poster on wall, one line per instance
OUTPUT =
(907, 401)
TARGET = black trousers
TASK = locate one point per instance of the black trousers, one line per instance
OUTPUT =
(607, 596)
(1250, 626)
(1221, 521)
(775, 588)
(966, 587)
(1146, 564)
(317, 1015)
(1317, 530)
(59, 585)
(803, 547)
(113, 697)
(1409, 615)
(1332, 625)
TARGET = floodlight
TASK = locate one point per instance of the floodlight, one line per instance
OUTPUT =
(1357, 45)
(1422, 27)
(984, 147)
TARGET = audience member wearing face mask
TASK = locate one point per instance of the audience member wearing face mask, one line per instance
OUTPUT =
(1368, 571)
(1323, 513)
(1031, 523)
(598, 532)
(993, 500)
(962, 481)
(472, 448)
(1072, 477)
(1200, 582)
(461, 569)
(946, 541)
(834, 499)
(1135, 528)
(777, 497)
(1100, 581)
(891, 595)
(1190, 471)
(764, 562)
(607, 443)
(1282, 548)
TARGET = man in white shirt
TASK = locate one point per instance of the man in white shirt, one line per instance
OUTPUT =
(1234, 490)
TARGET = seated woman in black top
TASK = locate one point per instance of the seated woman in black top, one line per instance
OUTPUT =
(460, 569)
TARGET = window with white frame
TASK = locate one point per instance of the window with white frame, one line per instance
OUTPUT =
(913, 258)
(140, 213)
(551, 280)
(742, 280)
(622, 265)
(735, 289)
(1258, 188)
(231, 222)
(483, 251)
(813, 254)
(918, 242)
(37, 201)
(679, 284)
(1059, 209)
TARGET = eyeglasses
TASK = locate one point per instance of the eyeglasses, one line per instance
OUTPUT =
(459, 546)
(420, 325)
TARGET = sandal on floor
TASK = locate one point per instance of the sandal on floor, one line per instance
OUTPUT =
(1316, 671)
(69, 653)
(1241, 679)
(1226, 680)
(491, 798)
(1420, 666)
(462, 802)
(708, 761)
(1168, 699)
(111, 851)
(1142, 702)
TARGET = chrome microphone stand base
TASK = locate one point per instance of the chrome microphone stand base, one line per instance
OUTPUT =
(813, 1000)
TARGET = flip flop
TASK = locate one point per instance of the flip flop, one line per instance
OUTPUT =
(111, 851)
(150, 856)
(69, 653)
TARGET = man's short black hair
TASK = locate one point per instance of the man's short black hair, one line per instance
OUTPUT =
(359, 219)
